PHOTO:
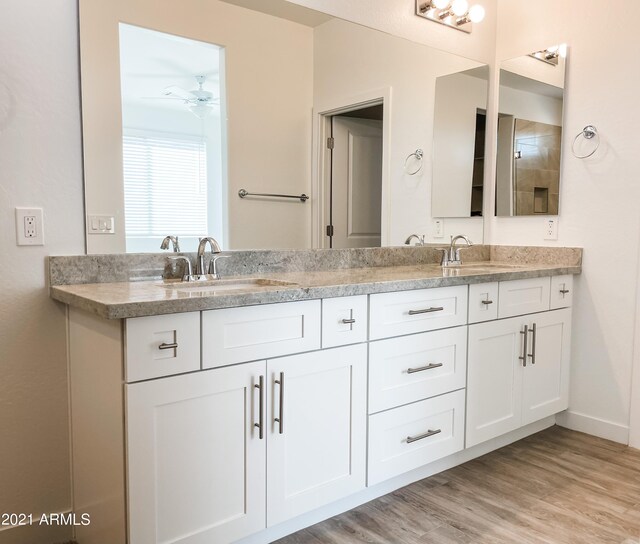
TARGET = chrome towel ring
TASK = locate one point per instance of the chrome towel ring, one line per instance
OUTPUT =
(588, 133)
(418, 154)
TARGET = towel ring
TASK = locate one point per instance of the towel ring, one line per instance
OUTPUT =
(589, 133)
(418, 154)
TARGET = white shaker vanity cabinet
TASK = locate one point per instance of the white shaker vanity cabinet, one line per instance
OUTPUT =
(211, 426)
(518, 368)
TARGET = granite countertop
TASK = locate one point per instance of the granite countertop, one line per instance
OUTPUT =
(135, 299)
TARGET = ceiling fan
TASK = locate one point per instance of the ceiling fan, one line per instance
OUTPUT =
(199, 101)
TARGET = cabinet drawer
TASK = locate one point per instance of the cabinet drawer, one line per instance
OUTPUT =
(236, 335)
(483, 302)
(520, 297)
(161, 345)
(561, 291)
(344, 321)
(407, 312)
(409, 437)
(412, 368)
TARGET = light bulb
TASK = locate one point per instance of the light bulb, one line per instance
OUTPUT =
(476, 13)
(562, 50)
(459, 7)
(440, 4)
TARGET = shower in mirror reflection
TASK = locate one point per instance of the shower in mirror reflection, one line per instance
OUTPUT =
(529, 152)
(172, 136)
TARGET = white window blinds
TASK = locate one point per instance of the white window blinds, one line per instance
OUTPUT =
(165, 185)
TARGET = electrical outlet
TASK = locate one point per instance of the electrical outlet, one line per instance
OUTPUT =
(438, 228)
(551, 228)
(29, 227)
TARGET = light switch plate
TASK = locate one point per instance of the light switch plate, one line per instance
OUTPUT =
(29, 227)
(100, 224)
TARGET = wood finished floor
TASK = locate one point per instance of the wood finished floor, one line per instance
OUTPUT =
(557, 486)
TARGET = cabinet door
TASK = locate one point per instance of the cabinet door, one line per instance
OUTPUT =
(317, 436)
(196, 463)
(494, 382)
(546, 376)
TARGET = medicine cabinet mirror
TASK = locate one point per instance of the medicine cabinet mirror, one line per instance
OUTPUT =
(529, 150)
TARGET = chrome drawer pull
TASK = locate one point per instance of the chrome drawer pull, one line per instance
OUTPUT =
(426, 311)
(533, 345)
(348, 321)
(411, 439)
(280, 419)
(260, 425)
(523, 358)
(423, 368)
(487, 302)
(564, 291)
(164, 345)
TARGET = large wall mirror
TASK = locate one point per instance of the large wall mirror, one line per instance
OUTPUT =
(268, 125)
(530, 133)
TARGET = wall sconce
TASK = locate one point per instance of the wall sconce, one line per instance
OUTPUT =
(551, 55)
(452, 13)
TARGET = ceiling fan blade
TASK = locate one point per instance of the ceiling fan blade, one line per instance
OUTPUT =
(162, 98)
(178, 91)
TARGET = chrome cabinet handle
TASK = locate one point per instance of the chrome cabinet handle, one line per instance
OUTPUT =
(260, 424)
(423, 368)
(523, 358)
(426, 311)
(564, 291)
(348, 321)
(411, 439)
(280, 419)
(533, 344)
(164, 345)
(487, 302)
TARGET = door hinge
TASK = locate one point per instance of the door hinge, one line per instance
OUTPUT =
(331, 142)
(329, 230)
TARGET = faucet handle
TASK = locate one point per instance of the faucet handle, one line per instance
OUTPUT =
(189, 269)
(445, 255)
(212, 265)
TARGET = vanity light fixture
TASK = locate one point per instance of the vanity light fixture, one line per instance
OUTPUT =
(452, 13)
(551, 55)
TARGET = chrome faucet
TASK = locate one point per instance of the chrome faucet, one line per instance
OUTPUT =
(419, 238)
(202, 246)
(451, 254)
(173, 240)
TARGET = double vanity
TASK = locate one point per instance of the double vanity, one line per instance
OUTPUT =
(251, 406)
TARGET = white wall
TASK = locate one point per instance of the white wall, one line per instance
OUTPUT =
(351, 60)
(266, 152)
(599, 196)
(530, 106)
(40, 154)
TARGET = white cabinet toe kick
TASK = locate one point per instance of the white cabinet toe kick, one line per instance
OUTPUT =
(219, 426)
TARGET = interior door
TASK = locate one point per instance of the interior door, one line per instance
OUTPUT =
(494, 383)
(546, 376)
(196, 460)
(356, 185)
(317, 417)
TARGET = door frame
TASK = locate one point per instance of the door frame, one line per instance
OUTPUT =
(321, 160)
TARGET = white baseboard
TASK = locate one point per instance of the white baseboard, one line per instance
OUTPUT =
(371, 493)
(36, 534)
(594, 426)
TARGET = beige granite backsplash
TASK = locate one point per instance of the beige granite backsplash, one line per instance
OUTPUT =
(82, 269)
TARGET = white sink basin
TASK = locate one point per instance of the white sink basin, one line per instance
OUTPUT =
(232, 284)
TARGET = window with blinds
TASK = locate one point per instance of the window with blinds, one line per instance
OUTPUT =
(165, 185)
